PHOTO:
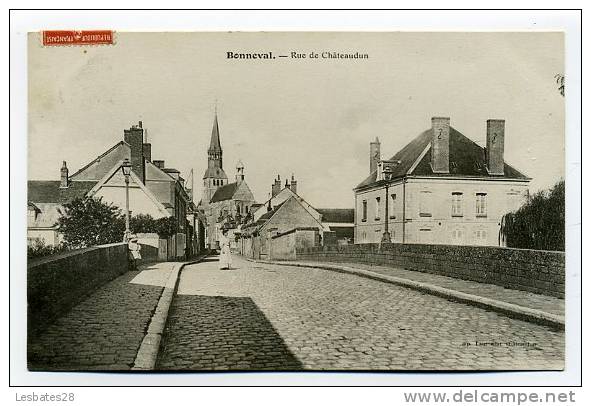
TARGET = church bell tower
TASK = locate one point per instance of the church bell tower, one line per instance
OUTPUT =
(214, 176)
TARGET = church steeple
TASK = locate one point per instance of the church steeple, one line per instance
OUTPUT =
(214, 176)
(215, 147)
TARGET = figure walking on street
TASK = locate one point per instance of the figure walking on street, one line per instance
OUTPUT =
(225, 257)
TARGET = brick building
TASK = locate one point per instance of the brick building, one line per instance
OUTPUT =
(443, 188)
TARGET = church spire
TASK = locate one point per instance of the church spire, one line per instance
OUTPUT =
(215, 145)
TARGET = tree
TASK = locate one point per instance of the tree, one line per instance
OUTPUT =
(86, 222)
(165, 227)
(142, 223)
(539, 223)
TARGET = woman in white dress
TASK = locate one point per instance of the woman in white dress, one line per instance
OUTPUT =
(225, 257)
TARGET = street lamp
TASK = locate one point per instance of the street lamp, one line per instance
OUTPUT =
(387, 170)
(126, 169)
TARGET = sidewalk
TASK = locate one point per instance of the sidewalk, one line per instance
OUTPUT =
(105, 331)
(532, 307)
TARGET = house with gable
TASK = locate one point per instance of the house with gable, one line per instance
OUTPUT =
(287, 215)
(286, 211)
(441, 188)
(153, 189)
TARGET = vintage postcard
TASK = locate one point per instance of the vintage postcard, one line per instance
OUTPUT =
(296, 201)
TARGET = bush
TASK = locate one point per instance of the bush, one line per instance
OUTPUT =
(87, 222)
(144, 223)
(539, 223)
(38, 249)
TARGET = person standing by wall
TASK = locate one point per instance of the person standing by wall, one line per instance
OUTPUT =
(134, 249)
(225, 261)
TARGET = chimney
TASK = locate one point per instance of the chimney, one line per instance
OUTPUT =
(374, 155)
(276, 187)
(495, 147)
(159, 163)
(294, 184)
(64, 176)
(147, 151)
(135, 138)
(147, 146)
(287, 184)
(440, 144)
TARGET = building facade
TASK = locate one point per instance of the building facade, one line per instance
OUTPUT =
(442, 188)
(153, 190)
(286, 211)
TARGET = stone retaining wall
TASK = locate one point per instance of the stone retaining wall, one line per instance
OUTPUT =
(57, 283)
(529, 270)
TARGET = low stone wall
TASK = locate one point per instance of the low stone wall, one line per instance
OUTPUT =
(529, 270)
(284, 245)
(57, 283)
(150, 243)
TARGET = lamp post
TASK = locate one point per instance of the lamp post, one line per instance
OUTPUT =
(126, 169)
(387, 169)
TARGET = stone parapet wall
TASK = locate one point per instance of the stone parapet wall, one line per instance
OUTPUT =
(533, 271)
(57, 283)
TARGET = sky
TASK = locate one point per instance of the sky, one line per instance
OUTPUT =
(311, 117)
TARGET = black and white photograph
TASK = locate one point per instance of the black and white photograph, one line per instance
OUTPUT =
(284, 201)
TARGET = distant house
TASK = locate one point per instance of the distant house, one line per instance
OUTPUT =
(45, 202)
(341, 222)
(285, 216)
(153, 189)
(443, 188)
(285, 211)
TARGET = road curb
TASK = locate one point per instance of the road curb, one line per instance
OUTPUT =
(508, 309)
(145, 359)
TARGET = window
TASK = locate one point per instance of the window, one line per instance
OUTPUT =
(393, 205)
(480, 236)
(425, 204)
(480, 204)
(364, 211)
(377, 208)
(457, 204)
(457, 235)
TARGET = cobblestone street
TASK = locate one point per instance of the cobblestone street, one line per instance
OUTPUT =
(261, 316)
(103, 332)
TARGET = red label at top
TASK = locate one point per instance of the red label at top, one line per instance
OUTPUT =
(96, 37)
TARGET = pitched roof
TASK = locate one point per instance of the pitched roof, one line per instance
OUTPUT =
(466, 158)
(98, 158)
(224, 192)
(270, 213)
(215, 144)
(258, 224)
(217, 173)
(49, 191)
(337, 215)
